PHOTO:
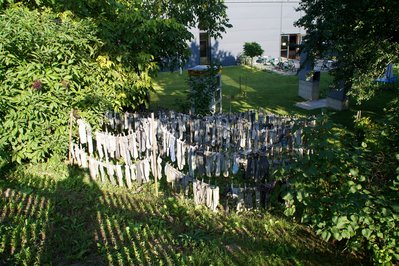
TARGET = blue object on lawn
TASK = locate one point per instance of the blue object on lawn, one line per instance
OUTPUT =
(388, 75)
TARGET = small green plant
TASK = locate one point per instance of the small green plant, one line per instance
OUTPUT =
(252, 49)
(201, 90)
(242, 59)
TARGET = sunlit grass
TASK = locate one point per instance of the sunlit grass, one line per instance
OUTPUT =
(57, 215)
(250, 89)
(243, 89)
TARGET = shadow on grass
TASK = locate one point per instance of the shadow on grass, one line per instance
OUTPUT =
(72, 220)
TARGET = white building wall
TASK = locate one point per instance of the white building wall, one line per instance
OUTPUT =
(261, 21)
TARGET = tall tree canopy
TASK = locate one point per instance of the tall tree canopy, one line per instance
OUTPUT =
(362, 35)
(139, 30)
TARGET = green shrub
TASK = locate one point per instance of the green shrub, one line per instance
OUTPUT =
(50, 64)
(349, 192)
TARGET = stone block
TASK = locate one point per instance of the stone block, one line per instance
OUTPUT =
(309, 90)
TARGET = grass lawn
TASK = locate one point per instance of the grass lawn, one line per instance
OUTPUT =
(253, 89)
(54, 214)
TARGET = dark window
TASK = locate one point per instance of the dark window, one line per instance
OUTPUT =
(289, 45)
(284, 45)
(205, 45)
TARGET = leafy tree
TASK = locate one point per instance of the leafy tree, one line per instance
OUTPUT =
(88, 55)
(142, 31)
(252, 49)
(362, 35)
(137, 34)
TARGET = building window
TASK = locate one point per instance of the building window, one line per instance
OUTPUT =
(205, 48)
(289, 45)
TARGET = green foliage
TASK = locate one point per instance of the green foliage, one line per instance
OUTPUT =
(252, 49)
(50, 64)
(202, 89)
(210, 16)
(243, 59)
(157, 29)
(380, 142)
(360, 34)
(87, 55)
(349, 192)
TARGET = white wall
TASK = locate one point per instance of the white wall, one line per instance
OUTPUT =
(261, 21)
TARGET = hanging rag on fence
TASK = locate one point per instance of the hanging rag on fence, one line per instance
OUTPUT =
(205, 194)
(133, 147)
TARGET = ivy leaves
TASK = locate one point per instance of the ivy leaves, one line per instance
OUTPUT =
(202, 90)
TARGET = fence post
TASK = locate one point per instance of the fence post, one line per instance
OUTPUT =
(154, 151)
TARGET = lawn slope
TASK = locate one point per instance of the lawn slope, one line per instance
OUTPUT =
(54, 214)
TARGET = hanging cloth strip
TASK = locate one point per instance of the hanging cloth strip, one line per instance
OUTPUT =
(89, 139)
(111, 173)
(93, 168)
(82, 131)
(99, 144)
(172, 174)
(127, 176)
(204, 194)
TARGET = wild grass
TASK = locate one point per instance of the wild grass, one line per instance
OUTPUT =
(53, 213)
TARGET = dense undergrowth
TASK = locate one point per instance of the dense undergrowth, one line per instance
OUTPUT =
(348, 188)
